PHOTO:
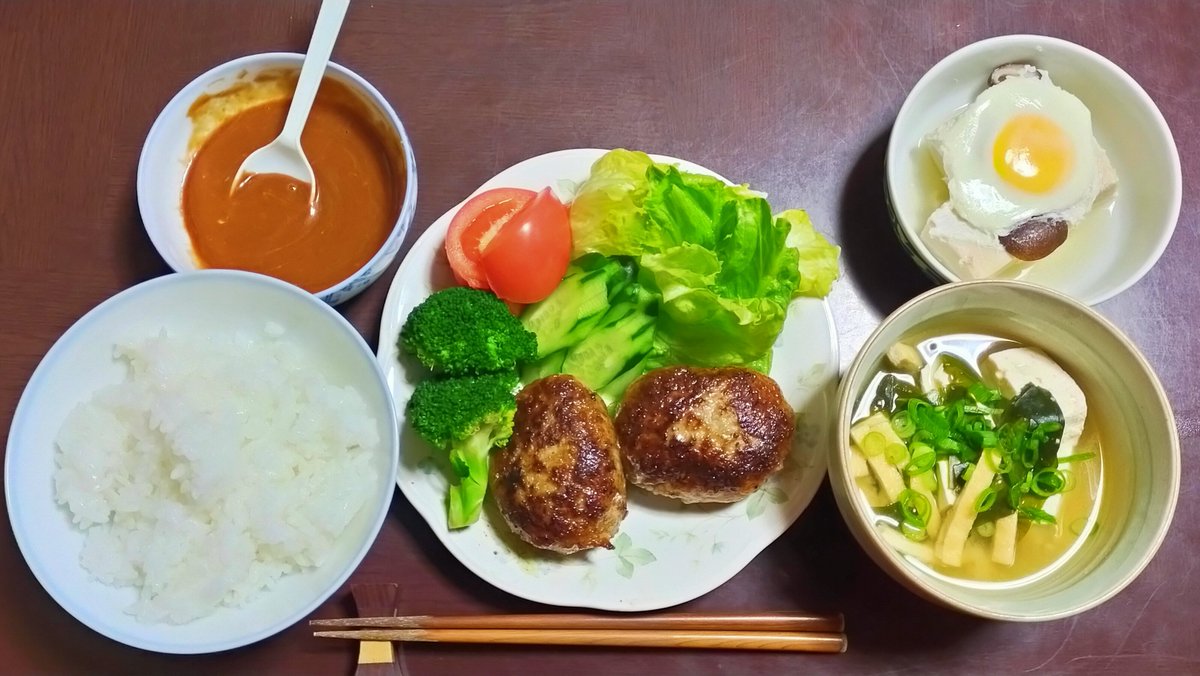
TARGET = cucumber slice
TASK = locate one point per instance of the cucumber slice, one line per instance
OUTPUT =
(546, 366)
(612, 349)
(614, 391)
(575, 306)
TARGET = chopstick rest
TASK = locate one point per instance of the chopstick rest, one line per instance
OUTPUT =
(376, 657)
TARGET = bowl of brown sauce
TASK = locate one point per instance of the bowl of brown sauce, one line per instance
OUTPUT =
(333, 246)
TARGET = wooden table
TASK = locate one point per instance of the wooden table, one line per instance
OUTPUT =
(795, 98)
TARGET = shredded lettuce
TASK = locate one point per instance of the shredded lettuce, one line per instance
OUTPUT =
(724, 267)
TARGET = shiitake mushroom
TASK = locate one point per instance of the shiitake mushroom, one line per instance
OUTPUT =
(1035, 238)
(1001, 73)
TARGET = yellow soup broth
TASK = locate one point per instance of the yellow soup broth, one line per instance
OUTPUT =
(1039, 547)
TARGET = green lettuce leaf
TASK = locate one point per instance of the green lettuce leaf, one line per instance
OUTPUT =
(682, 209)
(818, 259)
(697, 323)
(607, 215)
(724, 267)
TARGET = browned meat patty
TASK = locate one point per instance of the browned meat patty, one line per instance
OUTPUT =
(559, 482)
(703, 434)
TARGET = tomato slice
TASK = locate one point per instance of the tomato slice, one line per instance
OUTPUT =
(474, 226)
(527, 257)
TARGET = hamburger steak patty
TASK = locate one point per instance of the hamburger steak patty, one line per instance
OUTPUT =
(703, 434)
(559, 482)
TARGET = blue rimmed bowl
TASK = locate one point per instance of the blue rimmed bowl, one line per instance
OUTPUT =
(163, 166)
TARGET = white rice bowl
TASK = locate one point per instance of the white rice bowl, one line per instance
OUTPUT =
(220, 465)
(268, 562)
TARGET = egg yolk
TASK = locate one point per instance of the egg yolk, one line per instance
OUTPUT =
(1032, 153)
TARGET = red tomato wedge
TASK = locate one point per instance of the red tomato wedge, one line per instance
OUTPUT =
(475, 225)
(528, 255)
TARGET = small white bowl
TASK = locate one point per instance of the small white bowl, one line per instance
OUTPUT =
(1110, 252)
(82, 362)
(163, 165)
(1141, 452)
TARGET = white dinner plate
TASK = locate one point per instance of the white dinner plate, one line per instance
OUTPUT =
(666, 552)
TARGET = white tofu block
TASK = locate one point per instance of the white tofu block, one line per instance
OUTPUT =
(968, 252)
(1013, 369)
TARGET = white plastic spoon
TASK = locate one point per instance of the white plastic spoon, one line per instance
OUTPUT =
(284, 155)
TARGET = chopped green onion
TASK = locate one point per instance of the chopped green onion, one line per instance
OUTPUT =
(1078, 457)
(914, 533)
(919, 448)
(986, 499)
(1004, 465)
(927, 480)
(967, 454)
(1014, 496)
(1078, 525)
(993, 457)
(903, 424)
(896, 454)
(914, 508)
(986, 529)
(948, 444)
(982, 393)
(1069, 478)
(968, 471)
(954, 414)
(914, 405)
(1037, 515)
(874, 443)
(1047, 482)
(922, 461)
(1029, 454)
(926, 417)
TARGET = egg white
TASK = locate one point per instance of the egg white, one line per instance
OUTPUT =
(963, 146)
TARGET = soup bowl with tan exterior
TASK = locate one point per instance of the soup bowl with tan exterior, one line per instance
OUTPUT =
(1139, 449)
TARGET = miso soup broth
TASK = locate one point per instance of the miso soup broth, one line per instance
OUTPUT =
(978, 458)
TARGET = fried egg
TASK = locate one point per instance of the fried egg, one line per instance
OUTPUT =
(1023, 149)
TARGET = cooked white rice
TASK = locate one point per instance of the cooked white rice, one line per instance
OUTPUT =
(221, 464)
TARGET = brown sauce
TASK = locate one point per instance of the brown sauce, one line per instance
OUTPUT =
(268, 225)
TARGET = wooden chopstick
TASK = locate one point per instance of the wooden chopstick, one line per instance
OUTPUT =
(819, 642)
(774, 621)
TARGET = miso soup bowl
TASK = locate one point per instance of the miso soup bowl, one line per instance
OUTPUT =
(163, 166)
(1140, 446)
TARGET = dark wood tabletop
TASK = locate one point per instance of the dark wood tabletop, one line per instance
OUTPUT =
(795, 98)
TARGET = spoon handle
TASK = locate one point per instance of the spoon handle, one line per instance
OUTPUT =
(329, 22)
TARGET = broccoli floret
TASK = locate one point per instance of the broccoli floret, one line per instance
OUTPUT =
(463, 331)
(467, 417)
